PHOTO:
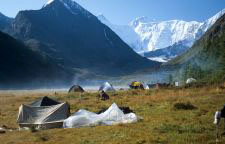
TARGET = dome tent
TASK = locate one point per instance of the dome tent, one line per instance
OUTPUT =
(106, 87)
(76, 88)
(136, 85)
(191, 80)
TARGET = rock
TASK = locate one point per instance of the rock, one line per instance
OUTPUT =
(2, 131)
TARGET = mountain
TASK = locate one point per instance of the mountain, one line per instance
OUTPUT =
(152, 36)
(76, 39)
(206, 59)
(4, 21)
(126, 33)
(21, 66)
(158, 35)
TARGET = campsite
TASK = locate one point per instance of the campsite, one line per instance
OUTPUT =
(162, 122)
(112, 72)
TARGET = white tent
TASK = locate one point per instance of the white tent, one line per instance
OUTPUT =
(177, 84)
(106, 87)
(191, 80)
(112, 116)
(43, 117)
(147, 87)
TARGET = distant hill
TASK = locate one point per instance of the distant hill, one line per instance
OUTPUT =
(22, 66)
(76, 39)
(206, 59)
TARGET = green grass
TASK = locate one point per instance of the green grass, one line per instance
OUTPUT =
(162, 122)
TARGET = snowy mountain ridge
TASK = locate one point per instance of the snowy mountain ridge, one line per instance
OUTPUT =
(151, 35)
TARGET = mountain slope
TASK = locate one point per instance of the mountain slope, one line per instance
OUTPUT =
(206, 59)
(4, 21)
(125, 32)
(78, 39)
(21, 66)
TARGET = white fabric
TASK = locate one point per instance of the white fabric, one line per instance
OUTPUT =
(217, 117)
(106, 87)
(112, 116)
(191, 80)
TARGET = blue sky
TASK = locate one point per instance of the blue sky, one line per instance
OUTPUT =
(124, 11)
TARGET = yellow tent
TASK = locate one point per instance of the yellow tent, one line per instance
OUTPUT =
(136, 84)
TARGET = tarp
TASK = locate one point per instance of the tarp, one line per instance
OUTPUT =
(112, 116)
(106, 87)
(44, 116)
(45, 101)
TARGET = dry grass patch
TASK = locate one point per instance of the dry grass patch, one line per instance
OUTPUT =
(162, 123)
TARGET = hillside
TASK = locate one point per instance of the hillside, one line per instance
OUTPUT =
(4, 21)
(21, 66)
(77, 39)
(206, 59)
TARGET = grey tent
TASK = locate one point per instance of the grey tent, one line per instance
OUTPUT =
(43, 117)
(76, 88)
(45, 101)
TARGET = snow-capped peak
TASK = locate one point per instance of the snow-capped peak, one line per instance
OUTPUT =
(208, 23)
(71, 5)
(139, 20)
(50, 1)
(68, 3)
(217, 16)
(144, 34)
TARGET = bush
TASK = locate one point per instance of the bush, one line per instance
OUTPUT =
(184, 106)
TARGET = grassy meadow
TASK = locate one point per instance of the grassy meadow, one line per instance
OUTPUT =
(163, 123)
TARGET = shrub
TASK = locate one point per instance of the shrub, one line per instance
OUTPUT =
(184, 106)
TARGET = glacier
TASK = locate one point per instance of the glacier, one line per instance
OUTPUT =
(144, 35)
